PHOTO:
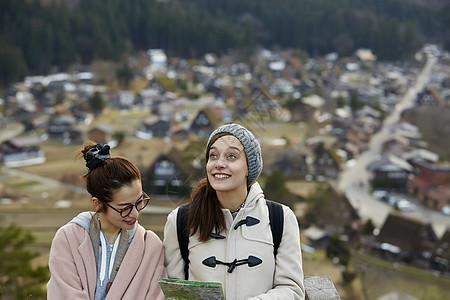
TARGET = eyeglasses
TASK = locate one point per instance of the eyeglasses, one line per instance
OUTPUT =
(140, 205)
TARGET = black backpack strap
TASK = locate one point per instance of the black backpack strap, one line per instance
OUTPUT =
(183, 236)
(276, 219)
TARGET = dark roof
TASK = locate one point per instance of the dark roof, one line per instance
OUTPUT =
(158, 128)
(407, 233)
(25, 141)
(443, 246)
(20, 144)
(175, 156)
(337, 212)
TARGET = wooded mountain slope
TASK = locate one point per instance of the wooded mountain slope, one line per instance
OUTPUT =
(38, 35)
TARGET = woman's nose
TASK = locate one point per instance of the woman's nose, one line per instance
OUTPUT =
(134, 212)
(220, 163)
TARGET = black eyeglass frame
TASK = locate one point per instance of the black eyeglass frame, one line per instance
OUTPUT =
(120, 211)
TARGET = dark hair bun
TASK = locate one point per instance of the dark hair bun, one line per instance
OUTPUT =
(96, 155)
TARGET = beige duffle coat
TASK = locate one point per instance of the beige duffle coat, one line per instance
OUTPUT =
(271, 279)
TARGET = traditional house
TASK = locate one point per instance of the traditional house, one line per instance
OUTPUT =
(367, 111)
(21, 151)
(122, 100)
(210, 59)
(75, 135)
(81, 115)
(102, 134)
(441, 254)
(336, 215)
(356, 137)
(311, 107)
(430, 185)
(396, 145)
(391, 172)
(261, 102)
(58, 125)
(168, 175)
(158, 61)
(406, 239)
(349, 151)
(63, 127)
(21, 115)
(437, 197)
(179, 133)
(406, 130)
(290, 162)
(315, 237)
(368, 125)
(157, 129)
(429, 96)
(420, 155)
(315, 142)
(327, 163)
(215, 89)
(154, 85)
(207, 120)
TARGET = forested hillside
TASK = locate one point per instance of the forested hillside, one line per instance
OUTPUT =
(35, 37)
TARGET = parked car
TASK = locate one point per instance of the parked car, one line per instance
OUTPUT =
(405, 205)
(381, 195)
(446, 210)
(392, 200)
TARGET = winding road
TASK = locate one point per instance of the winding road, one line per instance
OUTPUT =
(354, 181)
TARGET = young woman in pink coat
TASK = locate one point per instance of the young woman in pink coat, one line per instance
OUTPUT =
(106, 254)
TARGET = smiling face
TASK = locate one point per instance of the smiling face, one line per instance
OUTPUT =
(226, 168)
(110, 219)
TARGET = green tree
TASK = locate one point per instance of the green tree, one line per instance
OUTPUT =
(340, 102)
(12, 65)
(338, 249)
(368, 227)
(316, 201)
(303, 55)
(166, 83)
(97, 103)
(119, 136)
(355, 103)
(28, 124)
(18, 278)
(410, 41)
(320, 149)
(275, 187)
(124, 75)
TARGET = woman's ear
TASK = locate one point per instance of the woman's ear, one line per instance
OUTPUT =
(98, 205)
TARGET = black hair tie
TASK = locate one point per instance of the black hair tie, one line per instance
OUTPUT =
(96, 155)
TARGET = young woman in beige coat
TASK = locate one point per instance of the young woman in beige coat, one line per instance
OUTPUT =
(223, 247)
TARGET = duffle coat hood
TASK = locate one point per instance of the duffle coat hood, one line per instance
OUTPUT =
(270, 279)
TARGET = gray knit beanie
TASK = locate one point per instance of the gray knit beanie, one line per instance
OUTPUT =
(251, 147)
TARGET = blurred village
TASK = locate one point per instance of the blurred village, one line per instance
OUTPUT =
(315, 119)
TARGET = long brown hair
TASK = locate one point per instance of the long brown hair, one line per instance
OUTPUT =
(111, 175)
(205, 211)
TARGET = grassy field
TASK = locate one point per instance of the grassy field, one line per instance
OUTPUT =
(377, 277)
(381, 277)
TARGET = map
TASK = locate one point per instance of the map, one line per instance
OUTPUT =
(175, 289)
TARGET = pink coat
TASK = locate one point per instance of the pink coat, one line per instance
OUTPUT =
(73, 267)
